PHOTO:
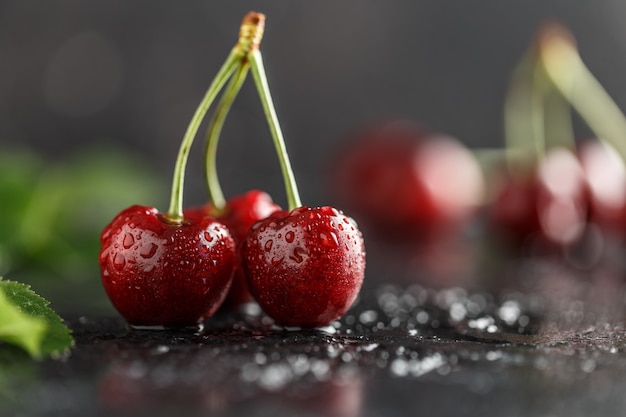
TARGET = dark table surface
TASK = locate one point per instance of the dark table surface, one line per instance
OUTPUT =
(538, 336)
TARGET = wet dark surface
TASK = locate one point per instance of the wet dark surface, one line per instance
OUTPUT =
(534, 337)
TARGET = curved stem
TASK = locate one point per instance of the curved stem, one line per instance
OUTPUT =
(523, 116)
(216, 197)
(559, 128)
(575, 81)
(260, 80)
(250, 35)
(175, 211)
(537, 111)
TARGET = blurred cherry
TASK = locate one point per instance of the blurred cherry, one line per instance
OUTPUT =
(400, 179)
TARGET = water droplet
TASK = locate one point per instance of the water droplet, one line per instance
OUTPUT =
(148, 251)
(105, 273)
(329, 239)
(290, 236)
(268, 245)
(119, 261)
(276, 260)
(128, 241)
(297, 254)
(340, 226)
(208, 237)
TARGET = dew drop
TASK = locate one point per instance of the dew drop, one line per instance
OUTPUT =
(128, 241)
(208, 237)
(268, 245)
(148, 251)
(329, 239)
(119, 261)
(297, 254)
(290, 236)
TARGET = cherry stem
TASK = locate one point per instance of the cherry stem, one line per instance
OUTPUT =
(250, 34)
(576, 83)
(260, 80)
(558, 125)
(216, 196)
(521, 116)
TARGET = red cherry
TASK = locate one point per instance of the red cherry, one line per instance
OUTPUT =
(165, 270)
(400, 178)
(160, 273)
(239, 214)
(605, 176)
(305, 266)
(550, 203)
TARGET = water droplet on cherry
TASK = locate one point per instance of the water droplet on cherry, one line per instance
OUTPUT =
(148, 251)
(119, 261)
(208, 237)
(290, 236)
(128, 241)
(329, 239)
(268, 245)
(297, 254)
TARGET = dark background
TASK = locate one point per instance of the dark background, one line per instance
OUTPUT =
(75, 74)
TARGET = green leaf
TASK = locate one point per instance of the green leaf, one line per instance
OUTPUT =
(28, 322)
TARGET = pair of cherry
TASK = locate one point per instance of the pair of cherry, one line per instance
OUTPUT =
(399, 179)
(567, 185)
(304, 266)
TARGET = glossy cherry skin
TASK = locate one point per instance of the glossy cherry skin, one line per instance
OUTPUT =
(398, 178)
(240, 213)
(548, 203)
(164, 274)
(305, 267)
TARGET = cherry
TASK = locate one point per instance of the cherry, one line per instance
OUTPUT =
(305, 266)
(239, 214)
(399, 178)
(165, 270)
(544, 193)
(160, 273)
(548, 203)
(605, 175)
(603, 160)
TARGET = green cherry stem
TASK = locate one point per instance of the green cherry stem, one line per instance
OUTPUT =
(559, 128)
(250, 34)
(260, 80)
(575, 81)
(522, 118)
(216, 196)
